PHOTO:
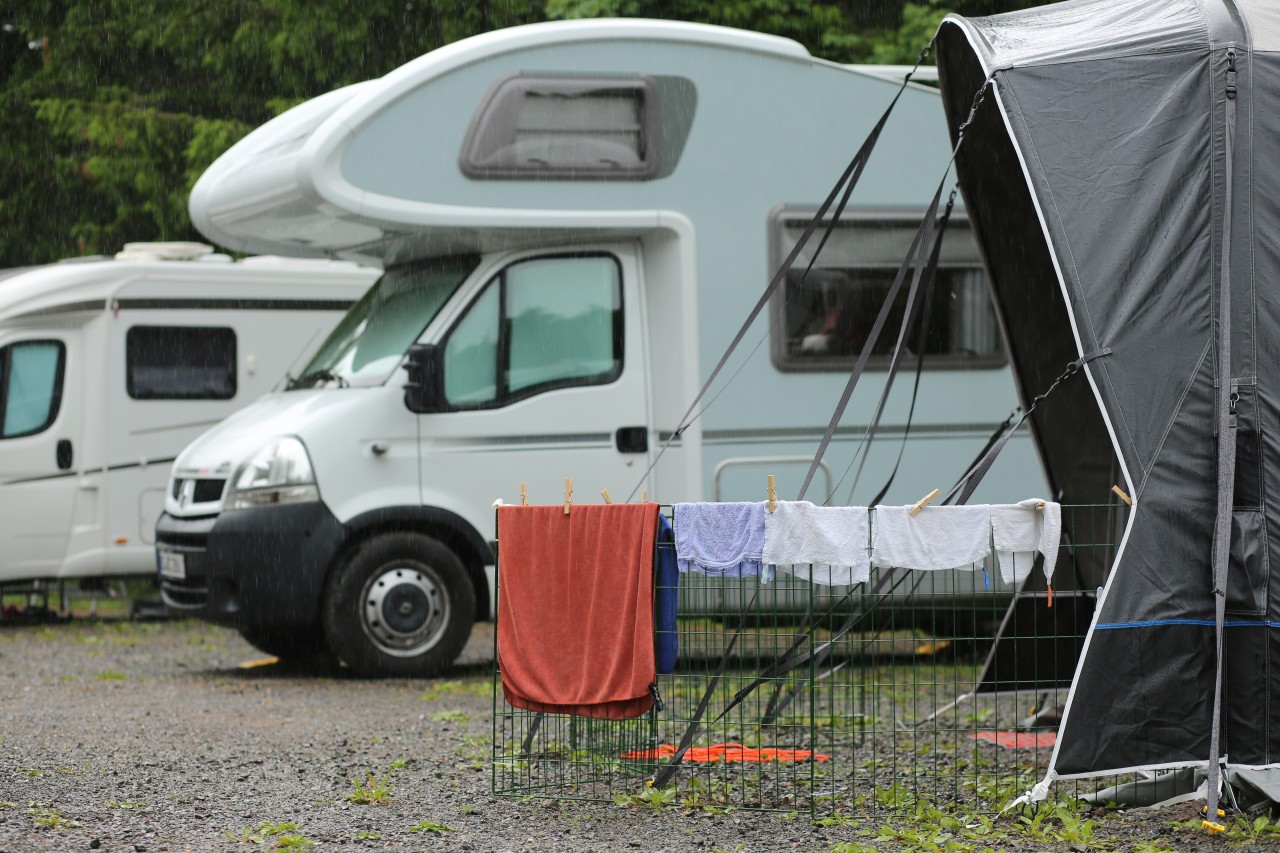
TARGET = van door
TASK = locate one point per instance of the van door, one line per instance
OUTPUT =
(39, 428)
(544, 379)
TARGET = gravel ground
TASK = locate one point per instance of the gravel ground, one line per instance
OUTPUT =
(124, 736)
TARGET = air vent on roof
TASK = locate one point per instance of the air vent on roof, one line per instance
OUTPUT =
(163, 251)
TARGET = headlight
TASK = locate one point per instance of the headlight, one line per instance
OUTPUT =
(279, 473)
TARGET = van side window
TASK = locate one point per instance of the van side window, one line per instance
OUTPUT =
(823, 323)
(180, 363)
(30, 386)
(540, 324)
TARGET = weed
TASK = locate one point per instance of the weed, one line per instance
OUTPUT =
(483, 689)
(398, 764)
(276, 828)
(428, 826)
(33, 773)
(292, 842)
(111, 675)
(127, 805)
(451, 716)
(654, 798)
(469, 810)
(1157, 846)
(370, 792)
(367, 835)
(50, 819)
(853, 847)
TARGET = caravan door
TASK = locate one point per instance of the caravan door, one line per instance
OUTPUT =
(544, 379)
(39, 430)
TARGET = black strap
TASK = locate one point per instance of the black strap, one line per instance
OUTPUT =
(668, 770)
(925, 283)
(842, 190)
(966, 485)
(1228, 396)
(922, 334)
(918, 245)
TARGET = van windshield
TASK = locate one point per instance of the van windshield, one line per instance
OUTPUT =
(371, 340)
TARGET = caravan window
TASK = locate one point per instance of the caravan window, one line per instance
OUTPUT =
(30, 386)
(822, 323)
(180, 363)
(564, 127)
(539, 325)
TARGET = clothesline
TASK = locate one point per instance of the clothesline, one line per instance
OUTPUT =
(839, 545)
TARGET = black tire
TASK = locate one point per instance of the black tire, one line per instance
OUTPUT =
(402, 604)
(287, 643)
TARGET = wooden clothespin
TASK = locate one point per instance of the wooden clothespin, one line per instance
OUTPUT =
(524, 495)
(568, 494)
(773, 494)
(644, 496)
(607, 497)
(924, 502)
(1039, 506)
(1120, 492)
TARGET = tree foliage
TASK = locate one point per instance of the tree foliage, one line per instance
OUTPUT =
(111, 109)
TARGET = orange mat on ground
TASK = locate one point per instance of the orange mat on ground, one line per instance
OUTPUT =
(1018, 740)
(729, 753)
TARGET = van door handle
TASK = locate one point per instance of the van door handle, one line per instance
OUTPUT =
(634, 439)
(63, 454)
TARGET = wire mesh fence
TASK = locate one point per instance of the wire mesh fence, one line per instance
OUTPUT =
(915, 686)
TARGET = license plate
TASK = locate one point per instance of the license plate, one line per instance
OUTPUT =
(173, 565)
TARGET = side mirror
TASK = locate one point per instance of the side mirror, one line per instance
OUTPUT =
(424, 392)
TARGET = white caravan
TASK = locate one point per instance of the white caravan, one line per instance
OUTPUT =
(573, 219)
(110, 366)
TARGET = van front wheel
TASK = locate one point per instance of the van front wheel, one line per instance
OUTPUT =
(401, 605)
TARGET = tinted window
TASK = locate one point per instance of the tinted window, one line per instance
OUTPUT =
(826, 318)
(539, 324)
(180, 363)
(30, 386)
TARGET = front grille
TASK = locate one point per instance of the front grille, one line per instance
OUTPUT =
(177, 488)
(197, 539)
(207, 491)
(184, 595)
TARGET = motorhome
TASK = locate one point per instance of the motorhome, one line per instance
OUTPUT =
(573, 219)
(109, 366)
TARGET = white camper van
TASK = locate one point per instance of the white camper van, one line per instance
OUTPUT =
(110, 366)
(573, 219)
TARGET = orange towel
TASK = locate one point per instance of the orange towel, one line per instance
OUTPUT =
(575, 608)
(729, 753)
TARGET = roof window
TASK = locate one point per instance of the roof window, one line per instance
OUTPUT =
(567, 128)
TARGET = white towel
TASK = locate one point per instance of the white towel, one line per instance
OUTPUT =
(822, 544)
(1019, 531)
(936, 538)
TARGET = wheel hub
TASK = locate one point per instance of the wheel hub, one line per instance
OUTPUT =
(405, 610)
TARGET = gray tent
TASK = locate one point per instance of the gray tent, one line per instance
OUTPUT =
(1121, 146)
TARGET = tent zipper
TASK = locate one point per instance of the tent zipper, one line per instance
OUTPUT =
(1228, 397)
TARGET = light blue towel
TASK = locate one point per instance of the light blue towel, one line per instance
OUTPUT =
(725, 539)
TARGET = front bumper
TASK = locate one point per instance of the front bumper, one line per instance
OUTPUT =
(253, 567)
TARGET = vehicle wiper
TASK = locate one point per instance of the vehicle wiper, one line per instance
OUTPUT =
(310, 380)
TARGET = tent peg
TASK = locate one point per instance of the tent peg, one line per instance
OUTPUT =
(607, 497)
(568, 494)
(773, 494)
(524, 495)
(1120, 492)
(924, 502)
